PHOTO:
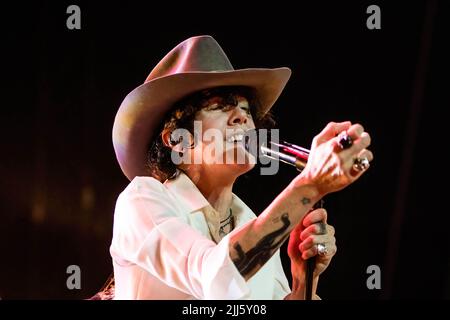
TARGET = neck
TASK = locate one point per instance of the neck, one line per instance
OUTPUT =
(216, 189)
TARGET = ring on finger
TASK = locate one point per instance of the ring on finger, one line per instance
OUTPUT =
(360, 164)
(345, 141)
(322, 249)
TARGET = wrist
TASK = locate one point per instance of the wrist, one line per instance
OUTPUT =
(307, 188)
(299, 286)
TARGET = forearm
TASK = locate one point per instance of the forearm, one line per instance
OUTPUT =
(255, 243)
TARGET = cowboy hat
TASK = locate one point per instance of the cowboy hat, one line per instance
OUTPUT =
(196, 64)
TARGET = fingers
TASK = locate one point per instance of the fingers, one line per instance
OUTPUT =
(360, 138)
(332, 168)
(308, 248)
(333, 131)
(366, 154)
(315, 216)
(355, 131)
(330, 131)
(316, 229)
(314, 233)
(363, 154)
(362, 142)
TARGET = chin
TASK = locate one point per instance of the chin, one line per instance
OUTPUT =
(237, 169)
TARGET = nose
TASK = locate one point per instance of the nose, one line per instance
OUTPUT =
(238, 116)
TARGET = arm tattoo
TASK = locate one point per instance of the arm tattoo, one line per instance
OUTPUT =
(246, 262)
(305, 201)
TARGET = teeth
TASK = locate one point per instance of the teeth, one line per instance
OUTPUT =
(235, 138)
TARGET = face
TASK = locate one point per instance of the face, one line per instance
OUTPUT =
(219, 129)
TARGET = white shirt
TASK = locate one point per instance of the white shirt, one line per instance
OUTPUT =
(162, 247)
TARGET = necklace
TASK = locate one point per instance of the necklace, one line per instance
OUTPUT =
(224, 223)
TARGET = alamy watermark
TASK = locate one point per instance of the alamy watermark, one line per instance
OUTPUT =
(74, 280)
(74, 20)
(374, 20)
(234, 147)
(374, 280)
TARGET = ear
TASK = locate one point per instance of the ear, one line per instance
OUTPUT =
(166, 139)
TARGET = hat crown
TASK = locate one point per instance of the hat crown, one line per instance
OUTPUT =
(196, 54)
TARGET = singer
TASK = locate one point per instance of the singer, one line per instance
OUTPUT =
(179, 230)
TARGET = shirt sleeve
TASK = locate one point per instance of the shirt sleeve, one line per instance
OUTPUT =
(150, 232)
(281, 289)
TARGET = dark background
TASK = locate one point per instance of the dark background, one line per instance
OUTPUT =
(62, 88)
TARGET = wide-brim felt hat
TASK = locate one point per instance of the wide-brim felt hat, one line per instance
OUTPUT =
(195, 64)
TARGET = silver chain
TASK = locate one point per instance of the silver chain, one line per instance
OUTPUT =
(226, 222)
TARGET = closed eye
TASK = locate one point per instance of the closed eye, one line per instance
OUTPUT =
(246, 109)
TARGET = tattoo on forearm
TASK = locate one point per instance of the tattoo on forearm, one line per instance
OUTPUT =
(246, 262)
(305, 201)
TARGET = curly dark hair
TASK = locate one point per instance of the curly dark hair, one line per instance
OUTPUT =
(182, 115)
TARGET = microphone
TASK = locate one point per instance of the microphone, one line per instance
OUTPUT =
(292, 154)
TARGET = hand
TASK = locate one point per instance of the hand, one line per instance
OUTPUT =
(329, 167)
(303, 243)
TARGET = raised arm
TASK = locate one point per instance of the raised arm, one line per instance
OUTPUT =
(329, 169)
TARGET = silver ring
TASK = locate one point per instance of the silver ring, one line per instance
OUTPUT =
(360, 164)
(321, 249)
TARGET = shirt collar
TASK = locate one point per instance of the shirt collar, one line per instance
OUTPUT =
(187, 192)
(183, 187)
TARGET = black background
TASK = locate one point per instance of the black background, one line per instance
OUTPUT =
(62, 88)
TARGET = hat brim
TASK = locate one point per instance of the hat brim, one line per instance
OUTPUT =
(143, 108)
